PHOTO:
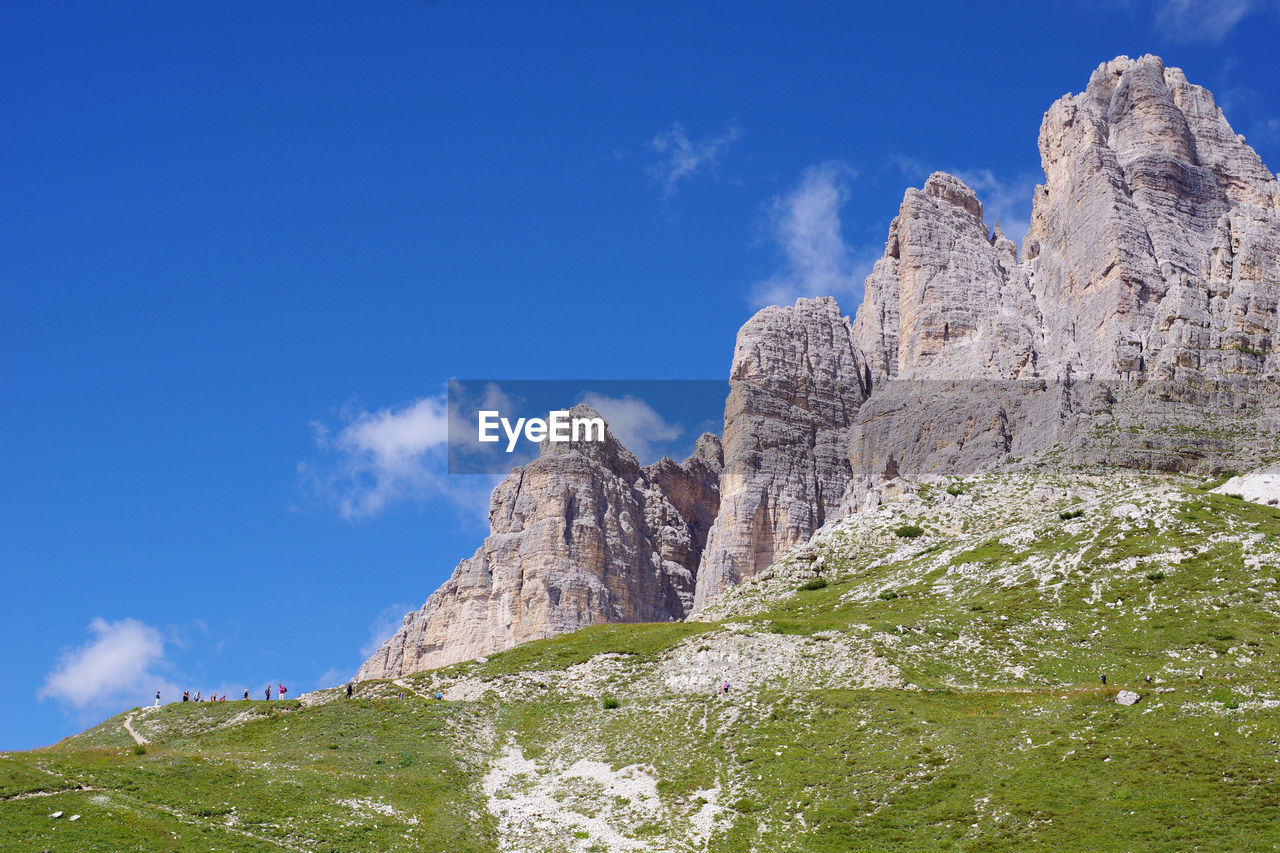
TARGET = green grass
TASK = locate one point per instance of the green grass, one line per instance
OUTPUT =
(1006, 742)
(641, 641)
(274, 774)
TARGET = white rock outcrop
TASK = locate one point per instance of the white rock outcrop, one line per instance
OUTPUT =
(794, 389)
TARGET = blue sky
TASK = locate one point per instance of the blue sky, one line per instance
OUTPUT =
(244, 246)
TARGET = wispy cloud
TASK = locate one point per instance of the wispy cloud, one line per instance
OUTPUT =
(122, 664)
(1004, 200)
(911, 168)
(386, 623)
(635, 423)
(376, 458)
(805, 224)
(680, 159)
(1206, 21)
(1266, 130)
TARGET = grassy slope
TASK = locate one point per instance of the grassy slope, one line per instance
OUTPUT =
(1003, 618)
(271, 783)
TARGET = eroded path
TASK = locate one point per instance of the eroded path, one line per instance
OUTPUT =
(139, 739)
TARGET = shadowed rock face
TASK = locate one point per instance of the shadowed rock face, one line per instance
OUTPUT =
(1137, 328)
(580, 536)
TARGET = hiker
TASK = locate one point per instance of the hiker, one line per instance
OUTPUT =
(281, 691)
(186, 696)
(246, 693)
(348, 689)
(157, 705)
(439, 695)
(268, 692)
(197, 695)
(1147, 679)
(726, 688)
(401, 694)
(1200, 674)
(1104, 679)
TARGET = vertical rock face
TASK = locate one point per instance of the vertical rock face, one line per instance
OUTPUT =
(796, 383)
(580, 536)
(947, 300)
(1152, 254)
(1150, 204)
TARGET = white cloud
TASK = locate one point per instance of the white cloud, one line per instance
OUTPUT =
(394, 440)
(806, 225)
(1202, 20)
(118, 666)
(1005, 201)
(395, 453)
(386, 623)
(681, 159)
(634, 423)
(909, 166)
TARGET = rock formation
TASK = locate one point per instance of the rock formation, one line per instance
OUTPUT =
(1154, 242)
(795, 386)
(947, 300)
(1153, 253)
(1138, 326)
(580, 536)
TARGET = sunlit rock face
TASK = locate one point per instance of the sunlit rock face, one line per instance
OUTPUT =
(795, 388)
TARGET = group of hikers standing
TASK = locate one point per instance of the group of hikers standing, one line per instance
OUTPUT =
(281, 690)
(214, 697)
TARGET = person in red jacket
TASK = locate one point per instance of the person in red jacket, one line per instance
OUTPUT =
(281, 691)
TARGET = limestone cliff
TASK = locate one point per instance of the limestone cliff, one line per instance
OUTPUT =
(580, 536)
(947, 300)
(1137, 328)
(795, 386)
(1155, 241)
(1153, 253)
